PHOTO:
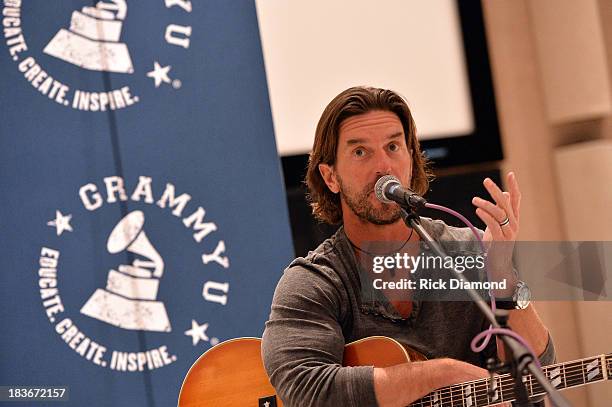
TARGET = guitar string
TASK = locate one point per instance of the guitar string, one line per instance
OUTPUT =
(506, 386)
(480, 392)
(507, 382)
(574, 374)
(505, 378)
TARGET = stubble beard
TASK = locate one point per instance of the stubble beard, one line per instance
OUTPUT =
(361, 206)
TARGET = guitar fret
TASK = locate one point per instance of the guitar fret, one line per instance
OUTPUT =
(508, 388)
(594, 370)
(447, 398)
(538, 389)
(561, 376)
(482, 399)
(574, 376)
(486, 389)
(436, 399)
(459, 394)
(525, 379)
(564, 376)
(580, 376)
(495, 395)
(464, 400)
(530, 384)
(456, 397)
(475, 391)
(555, 377)
(467, 391)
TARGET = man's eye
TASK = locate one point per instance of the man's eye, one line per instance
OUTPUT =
(394, 147)
(359, 152)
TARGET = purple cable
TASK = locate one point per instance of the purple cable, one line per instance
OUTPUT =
(488, 333)
(502, 331)
(461, 217)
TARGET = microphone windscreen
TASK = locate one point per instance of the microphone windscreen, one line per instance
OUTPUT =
(381, 185)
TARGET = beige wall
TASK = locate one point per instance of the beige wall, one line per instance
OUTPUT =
(552, 69)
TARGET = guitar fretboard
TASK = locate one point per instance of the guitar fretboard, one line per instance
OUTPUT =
(561, 376)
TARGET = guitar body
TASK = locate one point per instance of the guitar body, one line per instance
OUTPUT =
(232, 372)
(229, 374)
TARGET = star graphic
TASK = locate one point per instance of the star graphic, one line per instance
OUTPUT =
(159, 74)
(197, 332)
(267, 404)
(61, 223)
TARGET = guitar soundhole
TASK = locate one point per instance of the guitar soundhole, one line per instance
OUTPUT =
(269, 401)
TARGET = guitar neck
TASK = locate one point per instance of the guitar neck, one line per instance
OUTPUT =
(561, 376)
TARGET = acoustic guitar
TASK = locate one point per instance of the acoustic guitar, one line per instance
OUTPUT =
(232, 374)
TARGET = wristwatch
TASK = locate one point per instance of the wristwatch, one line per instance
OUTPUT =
(519, 300)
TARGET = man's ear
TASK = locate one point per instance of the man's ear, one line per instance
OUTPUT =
(329, 176)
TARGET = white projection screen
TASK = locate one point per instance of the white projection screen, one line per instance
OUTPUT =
(313, 49)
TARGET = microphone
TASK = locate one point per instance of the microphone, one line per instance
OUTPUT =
(389, 189)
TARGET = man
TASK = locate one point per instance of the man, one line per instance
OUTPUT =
(318, 306)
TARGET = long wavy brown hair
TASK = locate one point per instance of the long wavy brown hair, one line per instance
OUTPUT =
(355, 101)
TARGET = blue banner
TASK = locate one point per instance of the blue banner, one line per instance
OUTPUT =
(143, 215)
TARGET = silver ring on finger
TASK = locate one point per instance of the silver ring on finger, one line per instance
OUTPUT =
(504, 222)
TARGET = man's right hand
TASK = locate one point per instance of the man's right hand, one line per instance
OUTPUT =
(390, 384)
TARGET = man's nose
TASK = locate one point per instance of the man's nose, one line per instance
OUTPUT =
(383, 163)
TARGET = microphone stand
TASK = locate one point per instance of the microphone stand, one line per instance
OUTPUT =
(521, 358)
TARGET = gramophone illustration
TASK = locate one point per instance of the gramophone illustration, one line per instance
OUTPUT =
(129, 300)
(92, 42)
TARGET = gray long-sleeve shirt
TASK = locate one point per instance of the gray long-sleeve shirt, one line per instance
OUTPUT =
(318, 307)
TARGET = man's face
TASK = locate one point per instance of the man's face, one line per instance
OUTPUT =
(370, 145)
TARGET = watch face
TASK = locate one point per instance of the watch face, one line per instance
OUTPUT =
(523, 296)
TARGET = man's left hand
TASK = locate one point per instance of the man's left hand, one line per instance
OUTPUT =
(501, 217)
(502, 220)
